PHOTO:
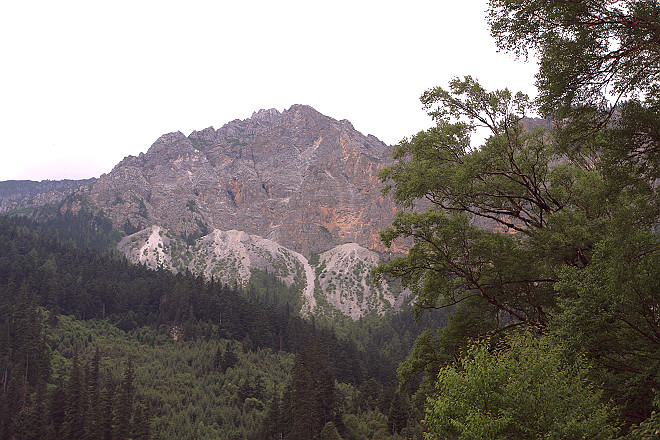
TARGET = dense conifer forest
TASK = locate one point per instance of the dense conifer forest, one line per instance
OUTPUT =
(95, 347)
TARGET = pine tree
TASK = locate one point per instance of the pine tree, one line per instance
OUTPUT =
(76, 406)
(330, 432)
(305, 411)
(398, 416)
(125, 404)
(94, 427)
(142, 422)
(36, 417)
(107, 412)
(57, 410)
(272, 425)
(217, 358)
(229, 358)
(312, 391)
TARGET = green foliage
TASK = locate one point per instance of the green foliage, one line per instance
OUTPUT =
(490, 240)
(177, 391)
(201, 144)
(84, 229)
(24, 363)
(397, 418)
(549, 228)
(67, 279)
(142, 207)
(608, 311)
(197, 386)
(523, 390)
(314, 259)
(268, 289)
(371, 424)
(649, 429)
(330, 432)
(312, 393)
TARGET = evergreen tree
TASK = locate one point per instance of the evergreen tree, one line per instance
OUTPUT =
(304, 407)
(107, 414)
(312, 388)
(57, 410)
(94, 430)
(76, 407)
(398, 415)
(217, 359)
(38, 425)
(229, 358)
(272, 426)
(329, 432)
(124, 408)
(141, 426)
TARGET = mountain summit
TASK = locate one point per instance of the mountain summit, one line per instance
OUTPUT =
(297, 177)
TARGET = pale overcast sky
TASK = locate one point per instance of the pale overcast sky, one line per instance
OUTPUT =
(85, 83)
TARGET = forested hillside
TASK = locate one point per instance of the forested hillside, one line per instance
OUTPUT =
(84, 329)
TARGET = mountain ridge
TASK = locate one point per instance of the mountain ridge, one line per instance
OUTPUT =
(265, 193)
(302, 179)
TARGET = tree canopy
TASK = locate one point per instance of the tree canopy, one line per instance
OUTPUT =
(551, 224)
(521, 391)
(588, 50)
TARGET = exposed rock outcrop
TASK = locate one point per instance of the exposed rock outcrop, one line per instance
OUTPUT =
(337, 281)
(265, 193)
(299, 178)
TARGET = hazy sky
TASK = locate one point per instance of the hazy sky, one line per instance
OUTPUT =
(85, 83)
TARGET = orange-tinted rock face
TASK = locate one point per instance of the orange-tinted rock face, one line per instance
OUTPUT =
(302, 179)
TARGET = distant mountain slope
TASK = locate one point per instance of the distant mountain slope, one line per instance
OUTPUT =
(20, 194)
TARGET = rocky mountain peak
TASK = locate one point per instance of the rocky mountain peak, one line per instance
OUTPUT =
(265, 115)
(297, 177)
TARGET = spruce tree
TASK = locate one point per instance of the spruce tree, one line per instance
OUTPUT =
(107, 412)
(94, 428)
(312, 389)
(142, 422)
(57, 410)
(76, 405)
(272, 425)
(125, 404)
(398, 416)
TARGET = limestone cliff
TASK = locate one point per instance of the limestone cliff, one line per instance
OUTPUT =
(298, 178)
(267, 193)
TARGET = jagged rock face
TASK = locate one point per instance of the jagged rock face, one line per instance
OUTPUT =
(338, 281)
(301, 179)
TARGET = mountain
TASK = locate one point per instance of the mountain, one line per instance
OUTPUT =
(294, 194)
(301, 179)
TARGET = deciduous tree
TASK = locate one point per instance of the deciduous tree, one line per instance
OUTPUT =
(519, 391)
